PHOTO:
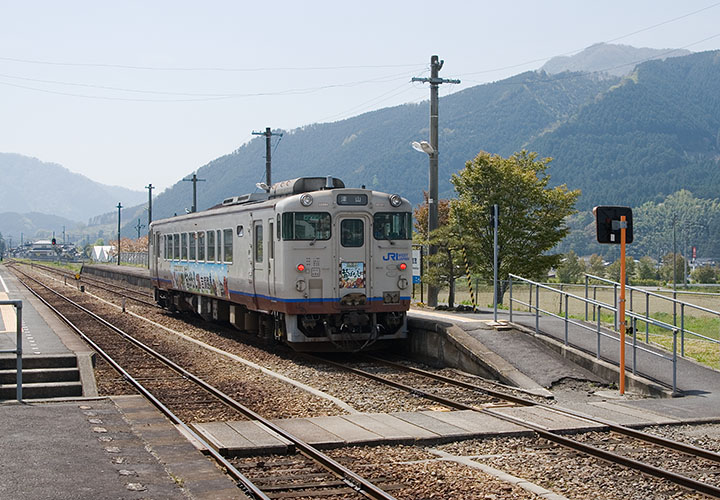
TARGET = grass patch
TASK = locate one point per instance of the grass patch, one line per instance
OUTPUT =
(701, 350)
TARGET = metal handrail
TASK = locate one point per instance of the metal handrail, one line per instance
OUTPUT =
(597, 329)
(674, 301)
(18, 342)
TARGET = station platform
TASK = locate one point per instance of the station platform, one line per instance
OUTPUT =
(543, 358)
(88, 447)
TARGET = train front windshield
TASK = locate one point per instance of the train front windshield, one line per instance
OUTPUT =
(392, 226)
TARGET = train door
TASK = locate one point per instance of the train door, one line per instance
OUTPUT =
(259, 261)
(354, 258)
(271, 258)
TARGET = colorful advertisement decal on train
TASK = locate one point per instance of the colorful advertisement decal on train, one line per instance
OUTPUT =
(207, 279)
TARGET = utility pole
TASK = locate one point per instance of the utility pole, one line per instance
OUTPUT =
(63, 235)
(149, 187)
(119, 207)
(138, 227)
(194, 179)
(268, 162)
(435, 65)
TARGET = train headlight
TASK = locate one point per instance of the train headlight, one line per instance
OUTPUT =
(395, 200)
(306, 200)
(300, 268)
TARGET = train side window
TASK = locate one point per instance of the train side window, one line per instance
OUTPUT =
(201, 246)
(176, 247)
(352, 233)
(271, 242)
(183, 246)
(166, 242)
(258, 242)
(211, 246)
(240, 231)
(192, 237)
(218, 242)
(279, 228)
(228, 245)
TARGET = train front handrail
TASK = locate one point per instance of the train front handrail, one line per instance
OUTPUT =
(17, 304)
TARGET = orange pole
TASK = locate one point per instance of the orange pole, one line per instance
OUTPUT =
(622, 304)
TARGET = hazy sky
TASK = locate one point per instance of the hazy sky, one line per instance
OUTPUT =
(136, 92)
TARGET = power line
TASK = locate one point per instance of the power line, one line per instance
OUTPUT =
(195, 96)
(208, 68)
(512, 66)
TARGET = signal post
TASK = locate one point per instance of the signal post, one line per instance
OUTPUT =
(614, 226)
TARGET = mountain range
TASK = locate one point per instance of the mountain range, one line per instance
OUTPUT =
(622, 138)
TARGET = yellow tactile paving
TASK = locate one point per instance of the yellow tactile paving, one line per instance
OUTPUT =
(8, 320)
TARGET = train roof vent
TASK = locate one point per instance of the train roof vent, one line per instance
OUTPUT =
(304, 185)
(245, 198)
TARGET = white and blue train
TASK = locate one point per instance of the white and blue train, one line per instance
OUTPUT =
(310, 262)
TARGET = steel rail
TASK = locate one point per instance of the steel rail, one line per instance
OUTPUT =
(556, 438)
(618, 428)
(101, 285)
(350, 478)
(245, 484)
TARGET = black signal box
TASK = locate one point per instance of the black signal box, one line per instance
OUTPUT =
(608, 224)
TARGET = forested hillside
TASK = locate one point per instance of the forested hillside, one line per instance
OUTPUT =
(373, 149)
(36, 186)
(655, 133)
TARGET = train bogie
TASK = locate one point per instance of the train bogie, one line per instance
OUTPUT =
(312, 263)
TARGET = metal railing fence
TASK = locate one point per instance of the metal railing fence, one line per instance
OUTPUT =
(596, 327)
(648, 294)
(17, 304)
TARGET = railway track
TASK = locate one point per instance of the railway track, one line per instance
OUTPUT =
(666, 454)
(129, 293)
(151, 373)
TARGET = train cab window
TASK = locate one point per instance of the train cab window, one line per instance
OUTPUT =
(176, 247)
(258, 242)
(183, 246)
(193, 245)
(352, 233)
(211, 246)
(307, 226)
(228, 245)
(279, 228)
(392, 226)
(201, 246)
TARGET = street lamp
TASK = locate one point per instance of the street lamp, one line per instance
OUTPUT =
(423, 147)
(426, 147)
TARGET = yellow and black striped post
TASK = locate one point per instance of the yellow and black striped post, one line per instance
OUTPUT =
(467, 273)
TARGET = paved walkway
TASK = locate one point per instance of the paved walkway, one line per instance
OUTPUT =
(698, 385)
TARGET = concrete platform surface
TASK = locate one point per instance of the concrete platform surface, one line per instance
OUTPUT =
(106, 448)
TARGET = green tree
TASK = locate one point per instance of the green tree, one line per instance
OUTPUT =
(704, 274)
(646, 269)
(668, 272)
(596, 266)
(443, 268)
(571, 269)
(532, 215)
(612, 271)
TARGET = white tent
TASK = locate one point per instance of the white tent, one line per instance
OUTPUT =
(102, 253)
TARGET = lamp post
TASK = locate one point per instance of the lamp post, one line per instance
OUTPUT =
(119, 207)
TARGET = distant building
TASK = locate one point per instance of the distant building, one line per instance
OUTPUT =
(41, 249)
